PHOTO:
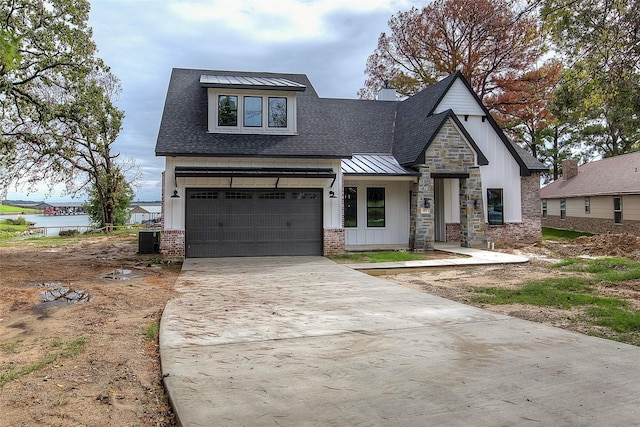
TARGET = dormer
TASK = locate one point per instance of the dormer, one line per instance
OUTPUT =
(251, 105)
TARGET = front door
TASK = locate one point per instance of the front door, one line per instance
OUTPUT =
(440, 230)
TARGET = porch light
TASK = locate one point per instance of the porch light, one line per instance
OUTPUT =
(476, 203)
(175, 194)
(426, 203)
(332, 195)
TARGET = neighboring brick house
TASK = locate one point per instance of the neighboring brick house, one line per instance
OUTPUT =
(259, 164)
(598, 197)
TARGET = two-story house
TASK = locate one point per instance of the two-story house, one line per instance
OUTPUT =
(258, 164)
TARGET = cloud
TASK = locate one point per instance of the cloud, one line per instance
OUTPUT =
(142, 40)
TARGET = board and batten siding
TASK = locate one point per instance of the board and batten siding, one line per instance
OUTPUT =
(502, 171)
(396, 229)
(174, 214)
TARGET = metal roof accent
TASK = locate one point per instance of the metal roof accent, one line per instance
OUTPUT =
(227, 172)
(244, 82)
(375, 164)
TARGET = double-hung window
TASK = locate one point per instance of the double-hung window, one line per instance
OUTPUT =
(587, 205)
(563, 208)
(617, 210)
(544, 209)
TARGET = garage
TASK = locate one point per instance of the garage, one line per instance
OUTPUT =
(253, 222)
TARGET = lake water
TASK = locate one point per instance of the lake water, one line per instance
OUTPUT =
(78, 222)
(58, 222)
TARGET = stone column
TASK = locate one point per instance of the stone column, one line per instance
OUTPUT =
(422, 226)
(472, 225)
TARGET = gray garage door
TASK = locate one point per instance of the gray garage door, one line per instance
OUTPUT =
(237, 222)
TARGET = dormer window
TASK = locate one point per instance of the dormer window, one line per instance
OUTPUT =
(251, 105)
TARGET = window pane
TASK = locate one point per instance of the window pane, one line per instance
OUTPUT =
(252, 111)
(544, 209)
(617, 210)
(227, 110)
(375, 207)
(495, 209)
(350, 207)
(617, 203)
(277, 112)
(563, 208)
(587, 205)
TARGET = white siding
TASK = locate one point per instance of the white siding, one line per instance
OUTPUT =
(459, 100)
(174, 214)
(396, 230)
(502, 171)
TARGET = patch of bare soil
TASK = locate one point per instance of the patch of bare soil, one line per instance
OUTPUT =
(74, 348)
(459, 284)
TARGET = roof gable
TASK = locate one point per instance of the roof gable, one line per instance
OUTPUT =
(414, 135)
(611, 176)
(437, 94)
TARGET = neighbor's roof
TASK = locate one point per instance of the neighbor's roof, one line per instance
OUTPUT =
(610, 176)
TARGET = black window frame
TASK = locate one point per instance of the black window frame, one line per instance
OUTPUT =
(350, 207)
(227, 110)
(245, 112)
(271, 121)
(495, 206)
(376, 207)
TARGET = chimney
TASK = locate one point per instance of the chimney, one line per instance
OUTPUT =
(386, 93)
(569, 169)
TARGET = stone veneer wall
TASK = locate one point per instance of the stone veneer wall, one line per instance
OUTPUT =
(530, 229)
(592, 225)
(448, 153)
(172, 243)
(333, 242)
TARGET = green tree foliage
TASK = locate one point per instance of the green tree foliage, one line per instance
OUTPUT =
(599, 42)
(58, 119)
(109, 199)
(483, 39)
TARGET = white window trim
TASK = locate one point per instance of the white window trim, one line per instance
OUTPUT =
(292, 124)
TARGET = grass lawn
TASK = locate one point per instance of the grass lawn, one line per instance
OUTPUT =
(555, 234)
(383, 256)
(8, 209)
(580, 291)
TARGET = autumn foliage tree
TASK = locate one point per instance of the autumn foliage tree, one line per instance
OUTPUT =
(486, 40)
(522, 107)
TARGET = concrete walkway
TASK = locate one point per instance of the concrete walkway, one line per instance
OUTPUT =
(302, 341)
(469, 256)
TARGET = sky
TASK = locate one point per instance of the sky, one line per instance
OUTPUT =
(142, 40)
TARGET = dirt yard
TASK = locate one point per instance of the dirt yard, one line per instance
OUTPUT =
(74, 323)
(457, 284)
(73, 335)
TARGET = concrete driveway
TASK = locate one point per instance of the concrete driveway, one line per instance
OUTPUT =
(302, 341)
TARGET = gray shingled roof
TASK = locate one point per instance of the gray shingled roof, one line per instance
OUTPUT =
(413, 125)
(327, 128)
(610, 176)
